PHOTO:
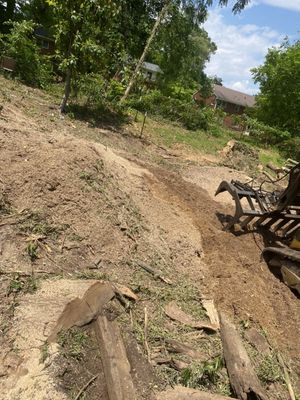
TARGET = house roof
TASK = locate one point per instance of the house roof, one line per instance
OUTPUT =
(152, 67)
(233, 96)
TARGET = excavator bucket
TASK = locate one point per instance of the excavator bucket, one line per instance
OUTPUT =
(278, 211)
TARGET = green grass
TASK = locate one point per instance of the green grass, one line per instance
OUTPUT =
(210, 142)
(170, 134)
(271, 155)
(73, 342)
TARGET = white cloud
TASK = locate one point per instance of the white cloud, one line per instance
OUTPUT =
(240, 48)
(293, 5)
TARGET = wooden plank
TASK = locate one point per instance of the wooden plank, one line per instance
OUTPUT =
(243, 378)
(183, 393)
(114, 360)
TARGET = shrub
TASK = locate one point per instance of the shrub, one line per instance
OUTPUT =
(265, 134)
(291, 148)
(156, 103)
(92, 87)
(20, 44)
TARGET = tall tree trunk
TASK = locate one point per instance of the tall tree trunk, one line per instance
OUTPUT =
(143, 56)
(66, 92)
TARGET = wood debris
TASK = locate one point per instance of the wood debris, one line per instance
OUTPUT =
(114, 360)
(156, 273)
(183, 393)
(173, 346)
(174, 312)
(243, 378)
(211, 312)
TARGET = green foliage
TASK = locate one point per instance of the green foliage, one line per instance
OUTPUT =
(156, 103)
(20, 44)
(22, 284)
(265, 134)
(269, 370)
(32, 250)
(291, 148)
(202, 374)
(181, 47)
(278, 103)
(73, 342)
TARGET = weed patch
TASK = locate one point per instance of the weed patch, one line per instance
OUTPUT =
(73, 342)
(22, 284)
(37, 224)
(269, 370)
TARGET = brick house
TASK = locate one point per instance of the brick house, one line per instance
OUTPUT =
(45, 41)
(229, 100)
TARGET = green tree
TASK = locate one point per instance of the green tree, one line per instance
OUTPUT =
(182, 48)
(198, 11)
(20, 44)
(278, 103)
(82, 30)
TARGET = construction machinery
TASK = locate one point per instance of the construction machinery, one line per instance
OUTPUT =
(276, 211)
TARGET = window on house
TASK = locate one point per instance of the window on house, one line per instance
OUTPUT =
(149, 75)
(45, 44)
(237, 108)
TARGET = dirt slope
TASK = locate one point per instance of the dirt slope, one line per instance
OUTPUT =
(76, 208)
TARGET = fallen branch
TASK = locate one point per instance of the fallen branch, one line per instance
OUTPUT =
(286, 377)
(242, 376)
(83, 389)
(156, 273)
(146, 335)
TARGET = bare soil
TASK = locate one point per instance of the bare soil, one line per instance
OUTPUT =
(81, 202)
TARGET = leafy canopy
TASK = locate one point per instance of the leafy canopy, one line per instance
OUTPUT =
(278, 103)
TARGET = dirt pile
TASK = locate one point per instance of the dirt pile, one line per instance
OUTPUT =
(73, 210)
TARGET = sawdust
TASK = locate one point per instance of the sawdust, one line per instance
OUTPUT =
(34, 319)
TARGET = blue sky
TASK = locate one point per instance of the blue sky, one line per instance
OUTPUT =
(243, 40)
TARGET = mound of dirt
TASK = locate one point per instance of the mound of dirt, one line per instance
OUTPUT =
(73, 209)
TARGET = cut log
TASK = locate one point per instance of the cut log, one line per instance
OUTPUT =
(183, 393)
(243, 378)
(114, 360)
(174, 312)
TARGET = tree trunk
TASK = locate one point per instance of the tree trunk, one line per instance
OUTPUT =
(143, 56)
(242, 376)
(66, 92)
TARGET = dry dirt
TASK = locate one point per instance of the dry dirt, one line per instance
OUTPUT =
(79, 203)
